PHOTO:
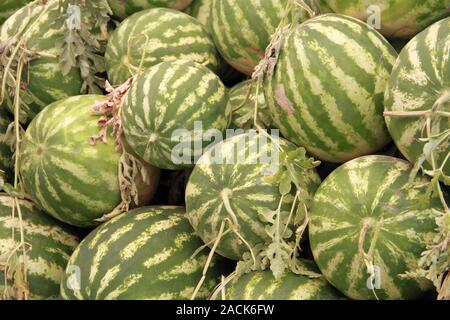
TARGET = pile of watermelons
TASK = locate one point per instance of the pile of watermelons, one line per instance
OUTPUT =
(224, 149)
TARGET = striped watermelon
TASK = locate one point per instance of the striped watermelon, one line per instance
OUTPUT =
(420, 79)
(167, 98)
(242, 29)
(142, 254)
(50, 246)
(43, 76)
(242, 100)
(399, 18)
(125, 8)
(201, 10)
(8, 7)
(73, 180)
(156, 35)
(6, 163)
(261, 285)
(327, 90)
(235, 172)
(372, 195)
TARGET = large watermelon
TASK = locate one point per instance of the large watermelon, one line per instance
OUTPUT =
(142, 254)
(49, 246)
(242, 30)
(419, 81)
(156, 35)
(42, 78)
(235, 173)
(327, 90)
(6, 161)
(242, 100)
(125, 8)
(398, 18)
(179, 96)
(73, 180)
(370, 202)
(8, 7)
(261, 285)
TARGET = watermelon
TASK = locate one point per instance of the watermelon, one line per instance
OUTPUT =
(50, 245)
(201, 10)
(236, 172)
(71, 179)
(43, 80)
(261, 285)
(242, 30)
(419, 81)
(370, 201)
(242, 100)
(8, 7)
(142, 254)
(167, 108)
(124, 8)
(326, 93)
(398, 18)
(157, 35)
(6, 161)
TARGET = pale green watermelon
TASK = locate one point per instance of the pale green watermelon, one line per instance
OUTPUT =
(373, 193)
(144, 254)
(50, 245)
(157, 35)
(71, 179)
(419, 81)
(237, 170)
(169, 108)
(398, 18)
(326, 93)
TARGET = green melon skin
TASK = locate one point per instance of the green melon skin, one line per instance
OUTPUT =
(168, 98)
(152, 36)
(43, 75)
(8, 7)
(241, 97)
(373, 191)
(327, 90)
(419, 80)
(50, 246)
(71, 179)
(242, 29)
(399, 18)
(144, 254)
(262, 285)
(6, 161)
(201, 10)
(124, 8)
(244, 180)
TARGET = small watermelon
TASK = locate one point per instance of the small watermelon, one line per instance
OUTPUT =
(242, 29)
(242, 100)
(327, 90)
(231, 180)
(71, 179)
(142, 254)
(171, 98)
(368, 213)
(49, 246)
(156, 35)
(420, 81)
